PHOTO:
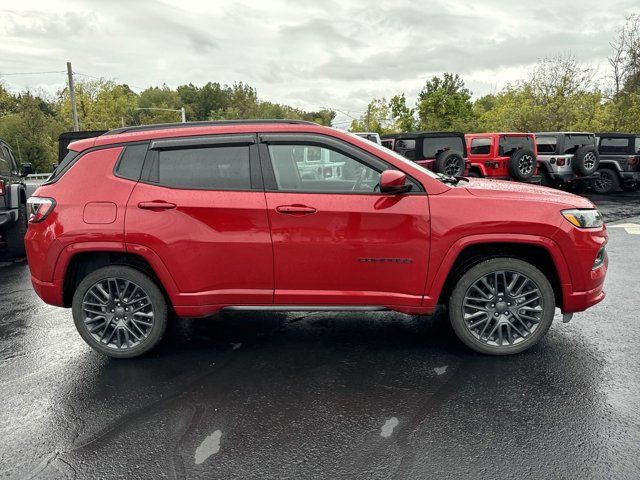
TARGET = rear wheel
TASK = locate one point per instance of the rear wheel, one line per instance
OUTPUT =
(607, 182)
(14, 235)
(119, 311)
(586, 160)
(502, 306)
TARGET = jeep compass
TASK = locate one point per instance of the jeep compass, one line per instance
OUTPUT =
(142, 223)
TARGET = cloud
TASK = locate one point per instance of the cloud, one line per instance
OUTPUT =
(303, 52)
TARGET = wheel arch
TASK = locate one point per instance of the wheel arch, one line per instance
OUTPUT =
(541, 252)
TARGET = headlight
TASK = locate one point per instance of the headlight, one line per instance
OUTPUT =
(583, 218)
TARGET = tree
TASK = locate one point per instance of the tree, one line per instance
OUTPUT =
(377, 118)
(445, 104)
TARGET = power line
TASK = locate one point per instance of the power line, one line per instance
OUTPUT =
(30, 73)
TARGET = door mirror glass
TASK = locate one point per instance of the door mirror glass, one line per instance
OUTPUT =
(394, 182)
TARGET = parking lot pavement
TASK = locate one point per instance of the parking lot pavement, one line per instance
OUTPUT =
(321, 395)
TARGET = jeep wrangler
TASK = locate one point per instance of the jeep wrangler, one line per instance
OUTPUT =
(567, 159)
(619, 162)
(505, 156)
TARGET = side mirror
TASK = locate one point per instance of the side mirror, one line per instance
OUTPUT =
(393, 182)
(26, 169)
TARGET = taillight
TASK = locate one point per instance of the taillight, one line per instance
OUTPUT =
(1, 189)
(40, 208)
(327, 172)
(632, 161)
(561, 162)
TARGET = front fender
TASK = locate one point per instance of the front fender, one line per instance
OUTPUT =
(436, 281)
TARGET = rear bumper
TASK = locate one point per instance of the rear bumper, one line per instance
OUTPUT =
(572, 177)
(630, 177)
(8, 217)
(50, 293)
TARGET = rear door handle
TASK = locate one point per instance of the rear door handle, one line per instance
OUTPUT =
(295, 209)
(157, 206)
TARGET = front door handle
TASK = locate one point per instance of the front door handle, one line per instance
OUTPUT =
(156, 206)
(295, 209)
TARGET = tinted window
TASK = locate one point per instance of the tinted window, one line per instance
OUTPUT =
(215, 168)
(388, 144)
(318, 169)
(131, 160)
(614, 145)
(5, 162)
(406, 147)
(546, 144)
(63, 165)
(574, 142)
(432, 146)
(481, 146)
(509, 144)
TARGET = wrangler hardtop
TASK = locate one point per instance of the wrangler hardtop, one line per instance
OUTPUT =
(507, 156)
(567, 158)
(619, 162)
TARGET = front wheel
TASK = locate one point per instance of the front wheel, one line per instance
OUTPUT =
(502, 306)
(119, 311)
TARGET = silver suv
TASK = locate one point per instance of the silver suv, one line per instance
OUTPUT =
(567, 157)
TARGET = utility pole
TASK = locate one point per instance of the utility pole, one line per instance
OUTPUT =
(184, 115)
(72, 96)
(368, 113)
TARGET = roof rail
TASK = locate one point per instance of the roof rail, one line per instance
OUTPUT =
(162, 126)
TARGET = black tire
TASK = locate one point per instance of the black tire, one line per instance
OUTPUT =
(150, 290)
(460, 299)
(545, 179)
(474, 174)
(522, 164)
(586, 160)
(630, 187)
(608, 181)
(14, 235)
(450, 163)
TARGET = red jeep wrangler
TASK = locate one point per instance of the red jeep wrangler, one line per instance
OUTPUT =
(195, 218)
(506, 156)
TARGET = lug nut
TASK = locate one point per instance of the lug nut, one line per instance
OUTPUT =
(496, 314)
(493, 305)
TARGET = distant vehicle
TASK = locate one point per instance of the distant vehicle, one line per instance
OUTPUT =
(505, 156)
(441, 152)
(619, 162)
(371, 136)
(67, 137)
(567, 158)
(190, 219)
(13, 203)
(34, 180)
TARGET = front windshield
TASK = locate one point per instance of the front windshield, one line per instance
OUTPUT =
(397, 156)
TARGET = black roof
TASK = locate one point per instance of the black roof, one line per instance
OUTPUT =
(422, 134)
(163, 126)
(564, 133)
(616, 134)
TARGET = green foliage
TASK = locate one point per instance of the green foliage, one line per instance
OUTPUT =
(445, 104)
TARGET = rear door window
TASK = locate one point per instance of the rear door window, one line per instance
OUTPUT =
(210, 168)
(481, 146)
(614, 145)
(573, 142)
(546, 145)
(509, 144)
(433, 146)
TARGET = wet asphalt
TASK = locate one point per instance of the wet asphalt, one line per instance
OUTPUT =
(326, 395)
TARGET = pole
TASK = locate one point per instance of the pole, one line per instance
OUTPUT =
(184, 115)
(72, 96)
(368, 111)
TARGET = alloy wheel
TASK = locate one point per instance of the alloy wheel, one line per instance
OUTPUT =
(525, 165)
(589, 160)
(603, 183)
(503, 308)
(117, 313)
(452, 167)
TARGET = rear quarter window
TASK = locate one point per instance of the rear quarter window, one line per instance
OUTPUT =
(480, 146)
(546, 145)
(406, 147)
(573, 142)
(614, 145)
(131, 160)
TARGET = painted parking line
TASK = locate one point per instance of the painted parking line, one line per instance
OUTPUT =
(631, 228)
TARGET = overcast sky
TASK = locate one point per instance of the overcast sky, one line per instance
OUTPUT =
(306, 53)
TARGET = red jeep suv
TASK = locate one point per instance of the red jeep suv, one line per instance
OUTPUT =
(506, 156)
(190, 219)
